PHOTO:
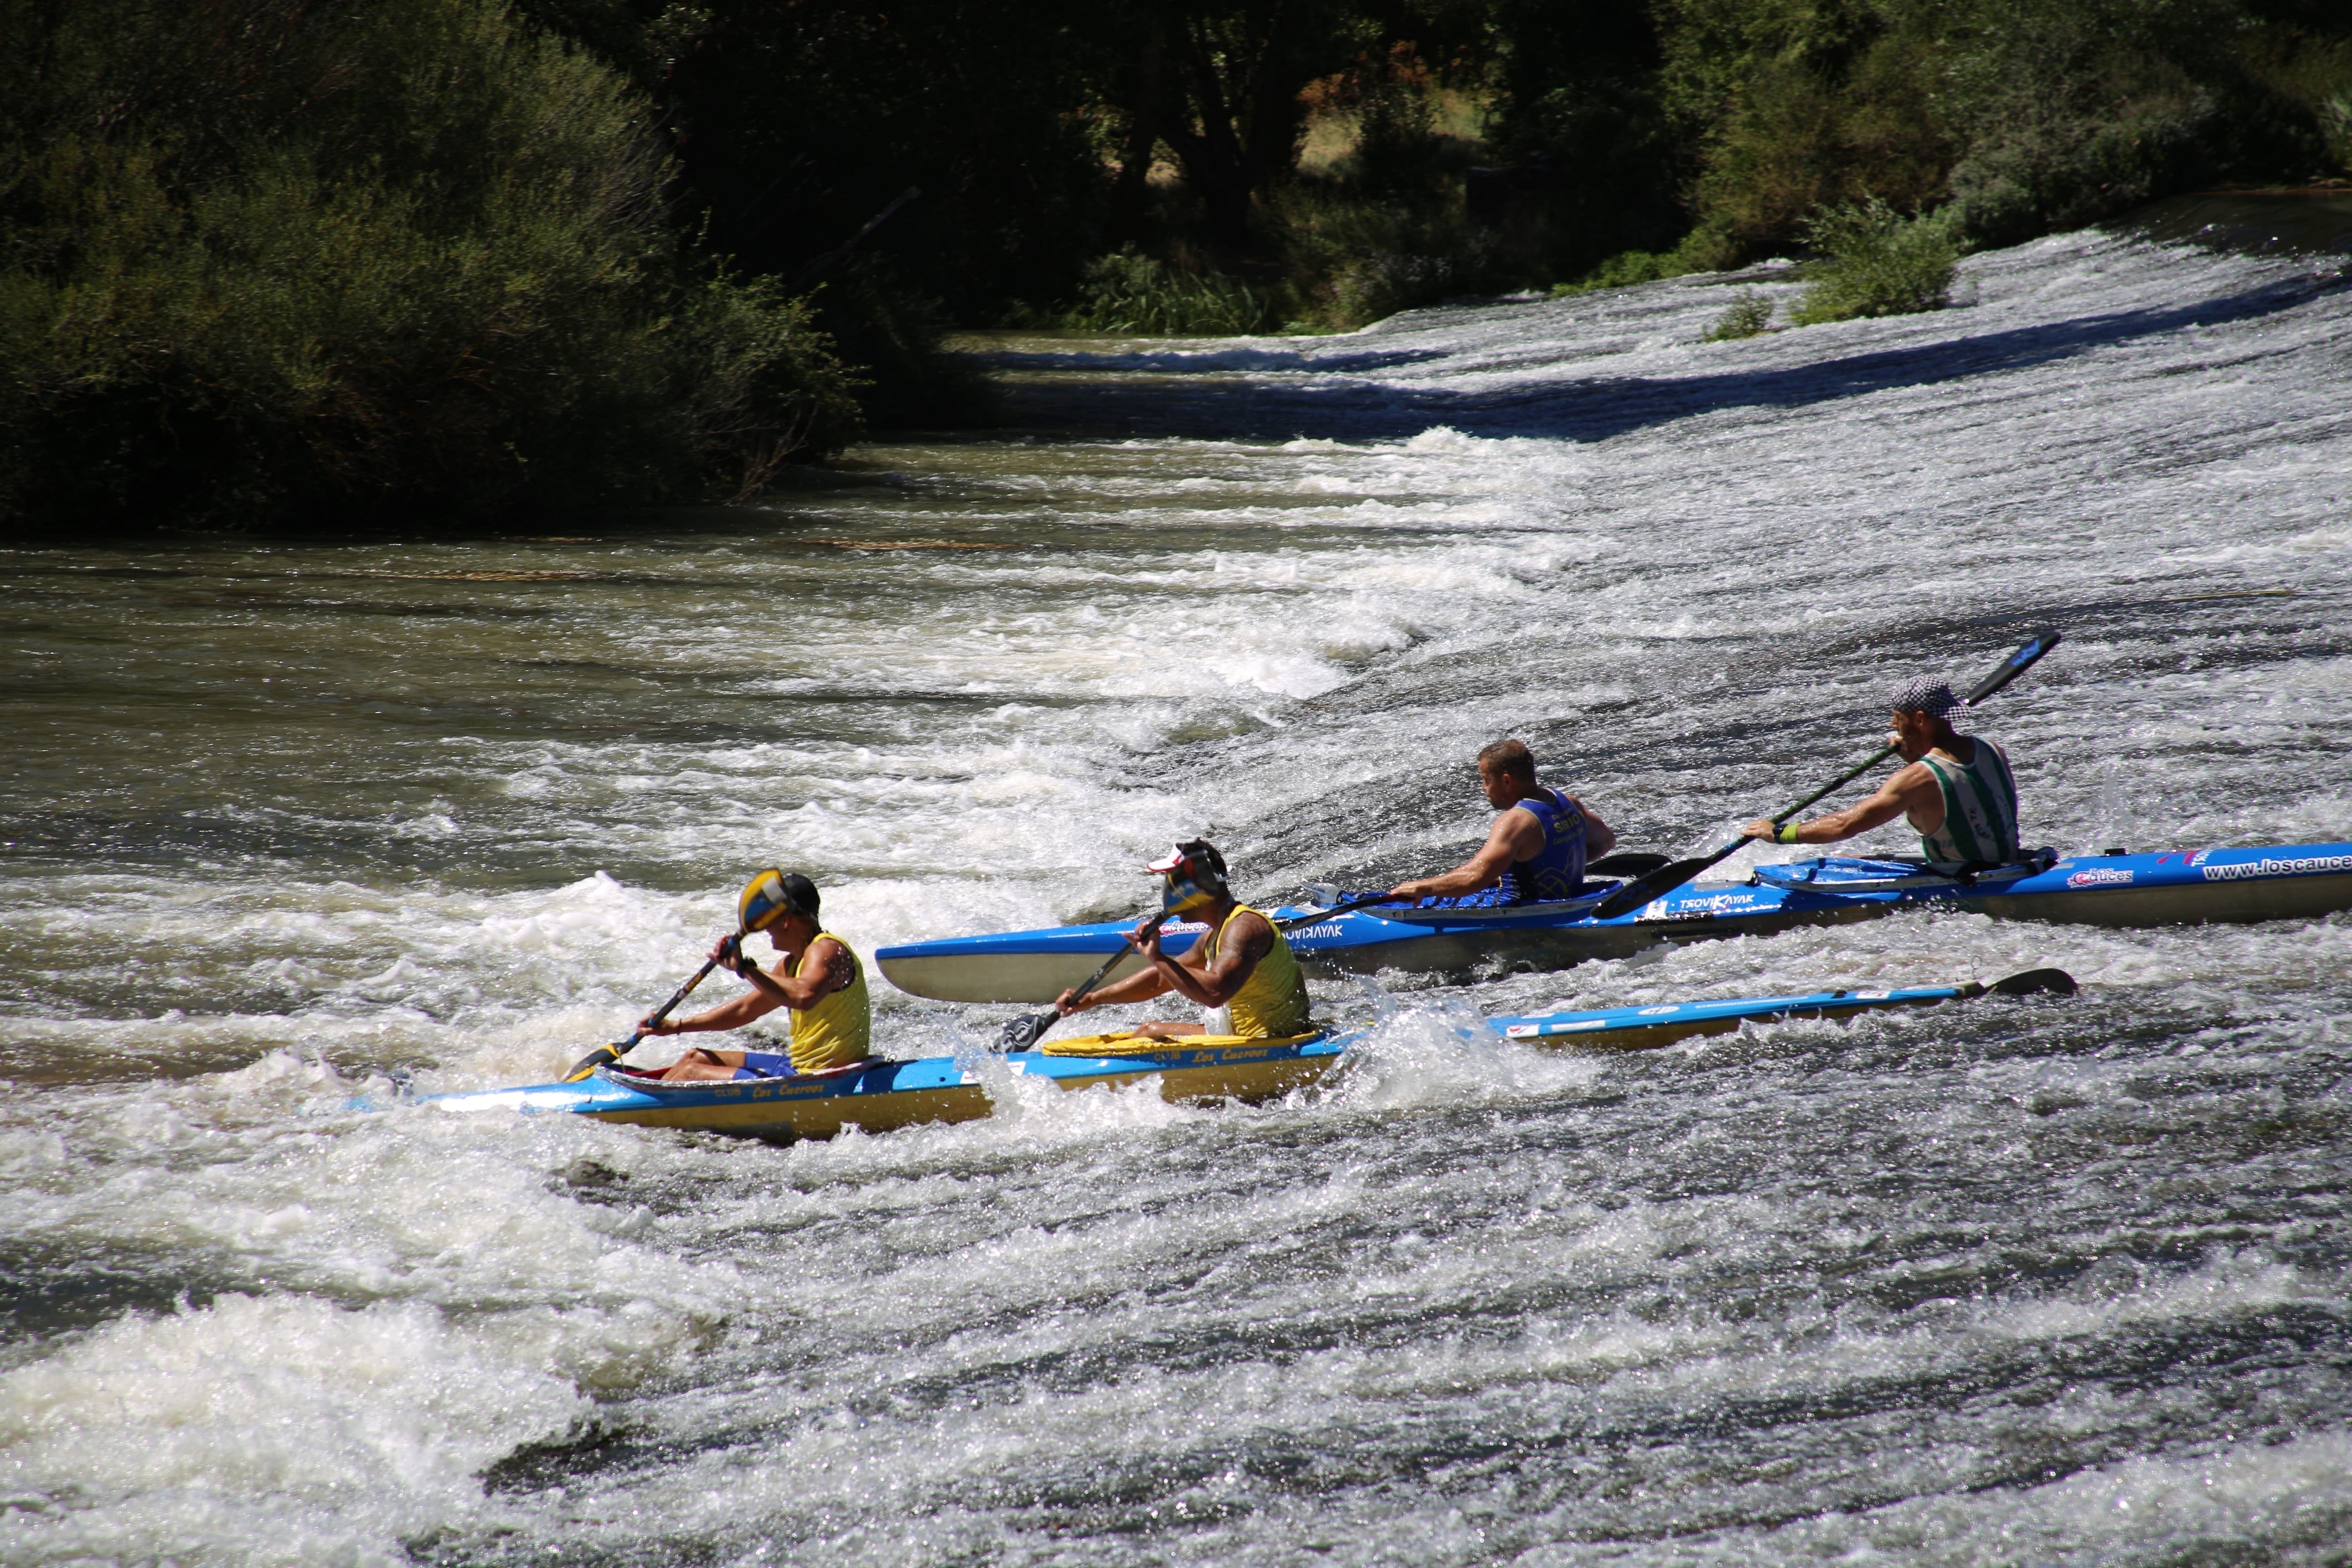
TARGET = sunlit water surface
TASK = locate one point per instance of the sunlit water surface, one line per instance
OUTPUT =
(2049, 1282)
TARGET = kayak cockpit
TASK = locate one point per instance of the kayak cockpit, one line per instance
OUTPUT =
(1892, 873)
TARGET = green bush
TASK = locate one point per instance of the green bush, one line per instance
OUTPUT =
(1749, 314)
(2072, 113)
(269, 261)
(1138, 295)
(2335, 115)
(1645, 266)
(1373, 287)
(2026, 115)
(1812, 127)
(1383, 229)
(1877, 263)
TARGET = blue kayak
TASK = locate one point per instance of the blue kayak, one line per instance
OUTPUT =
(879, 1096)
(2297, 882)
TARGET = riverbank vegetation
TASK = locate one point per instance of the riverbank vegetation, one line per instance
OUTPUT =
(359, 262)
(439, 262)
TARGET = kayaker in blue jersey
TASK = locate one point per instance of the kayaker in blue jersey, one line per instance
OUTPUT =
(1241, 963)
(816, 976)
(1956, 789)
(1537, 848)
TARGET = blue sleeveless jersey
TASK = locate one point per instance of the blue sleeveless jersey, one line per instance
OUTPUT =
(1556, 871)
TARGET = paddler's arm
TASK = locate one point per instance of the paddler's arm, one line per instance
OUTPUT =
(1212, 987)
(1910, 789)
(1141, 986)
(1599, 838)
(1516, 836)
(833, 970)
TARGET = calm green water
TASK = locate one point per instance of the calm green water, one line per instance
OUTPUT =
(2050, 1282)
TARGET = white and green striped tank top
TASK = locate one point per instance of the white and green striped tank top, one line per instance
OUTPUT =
(1979, 808)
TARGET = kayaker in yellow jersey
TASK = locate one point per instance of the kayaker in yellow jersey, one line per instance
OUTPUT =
(1241, 963)
(1537, 848)
(815, 975)
(1957, 789)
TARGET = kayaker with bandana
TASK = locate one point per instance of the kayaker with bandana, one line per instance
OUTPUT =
(1539, 846)
(1241, 964)
(815, 975)
(1956, 790)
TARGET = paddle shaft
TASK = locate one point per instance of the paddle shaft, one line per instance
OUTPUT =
(1133, 942)
(1024, 1030)
(1291, 922)
(613, 1052)
(2012, 667)
(1610, 866)
(678, 995)
(1633, 895)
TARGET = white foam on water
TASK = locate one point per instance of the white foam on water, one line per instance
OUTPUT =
(1449, 1059)
(2280, 1501)
(279, 1430)
(1803, 1289)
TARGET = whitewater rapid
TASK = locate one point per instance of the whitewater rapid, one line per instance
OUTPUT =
(2057, 1282)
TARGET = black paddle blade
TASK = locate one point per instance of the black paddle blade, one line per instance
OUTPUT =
(1023, 1032)
(1632, 863)
(602, 1056)
(2034, 981)
(2015, 665)
(1657, 884)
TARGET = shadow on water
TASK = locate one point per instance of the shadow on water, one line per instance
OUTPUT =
(1594, 408)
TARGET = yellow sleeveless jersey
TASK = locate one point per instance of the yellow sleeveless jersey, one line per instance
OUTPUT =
(1272, 1002)
(840, 1028)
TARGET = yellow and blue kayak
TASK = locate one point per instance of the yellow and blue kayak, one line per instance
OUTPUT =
(1439, 936)
(879, 1096)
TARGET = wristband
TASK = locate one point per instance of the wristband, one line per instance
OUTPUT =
(1787, 833)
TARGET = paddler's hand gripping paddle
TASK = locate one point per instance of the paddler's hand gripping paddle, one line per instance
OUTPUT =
(1021, 1033)
(605, 1055)
(1666, 879)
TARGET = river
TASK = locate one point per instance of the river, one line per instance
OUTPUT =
(2057, 1282)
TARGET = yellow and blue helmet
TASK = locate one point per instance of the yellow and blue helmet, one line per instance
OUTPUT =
(1196, 877)
(770, 896)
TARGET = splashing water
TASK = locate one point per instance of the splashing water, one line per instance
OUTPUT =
(2042, 1282)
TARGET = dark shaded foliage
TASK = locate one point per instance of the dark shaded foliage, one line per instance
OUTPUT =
(798, 121)
(322, 261)
(385, 260)
(1580, 108)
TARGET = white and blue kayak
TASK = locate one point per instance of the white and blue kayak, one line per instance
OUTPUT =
(2298, 881)
(879, 1096)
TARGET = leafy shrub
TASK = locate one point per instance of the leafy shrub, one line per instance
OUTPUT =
(1383, 227)
(1878, 263)
(266, 261)
(2335, 114)
(1398, 150)
(1810, 119)
(2062, 172)
(2073, 111)
(1369, 288)
(2312, 76)
(1750, 314)
(1637, 267)
(1140, 295)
